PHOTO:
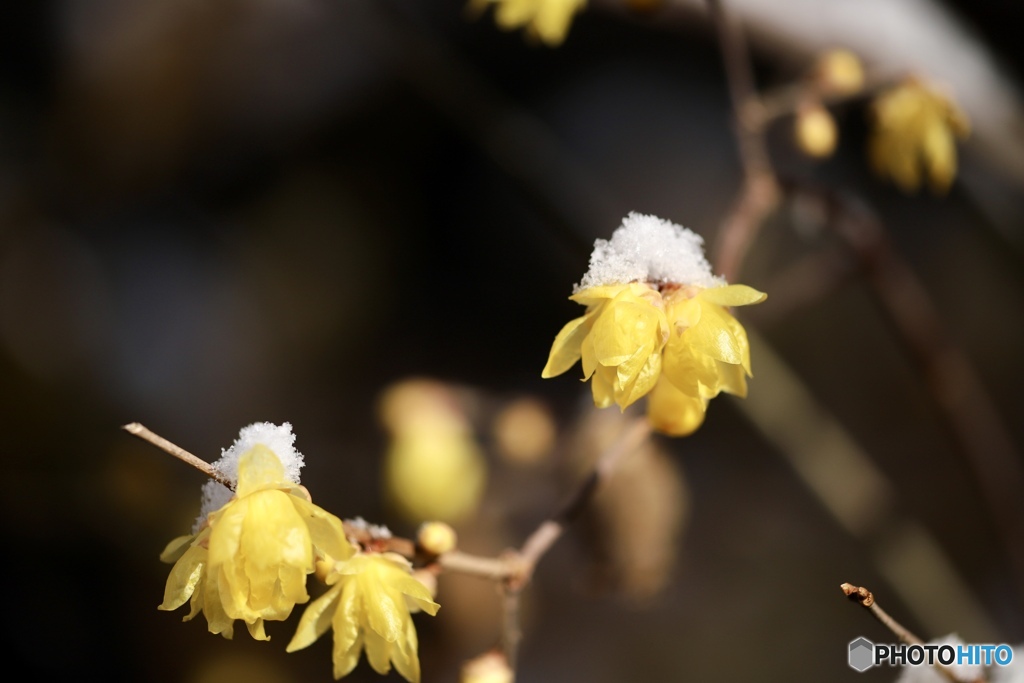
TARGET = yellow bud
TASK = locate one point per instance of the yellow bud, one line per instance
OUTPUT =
(839, 72)
(491, 667)
(436, 538)
(815, 131)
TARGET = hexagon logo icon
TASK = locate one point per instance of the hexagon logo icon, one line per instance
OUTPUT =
(862, 654)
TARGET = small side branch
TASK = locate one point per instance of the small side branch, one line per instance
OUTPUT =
(166, 446)
(866, 599)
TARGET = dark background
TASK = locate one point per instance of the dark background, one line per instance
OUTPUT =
(219, 213)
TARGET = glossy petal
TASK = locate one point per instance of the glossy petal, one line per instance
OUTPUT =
(732, 295)
(714, 337)
(565, 350)
(316, 619)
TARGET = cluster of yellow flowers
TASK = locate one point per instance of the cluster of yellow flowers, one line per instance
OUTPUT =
(664, 332)
(250, 558)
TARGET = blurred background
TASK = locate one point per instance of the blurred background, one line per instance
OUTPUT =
(216, 213)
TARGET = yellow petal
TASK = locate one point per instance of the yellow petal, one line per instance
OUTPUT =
(316, 619)
(732, 379)
(602, 386)
(405, 654)
(592, 296)
(184, 577)
(326, 531)
(256, 630)
(565, 350)
(642, 383)
(623, 328)
(348, 639)
(258, 468)
(217, 620)
(176, 548)
(733, 295)
(714, 335)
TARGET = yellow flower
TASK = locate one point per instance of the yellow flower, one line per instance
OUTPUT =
(677, 341)
(434, 468)
(547, 20)
(915, 131)
(250, 560)
(367, 605)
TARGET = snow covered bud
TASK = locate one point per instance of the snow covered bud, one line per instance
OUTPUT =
(367, 606)
(915, 131)
(433, 468)
(249, 558)
(656, 323)
(815, 130)
(547, 20)
(839, 73)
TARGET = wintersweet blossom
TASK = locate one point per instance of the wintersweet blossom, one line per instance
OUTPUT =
(368, 606)
(250, 558)
(915, 133)
(656, 324)
(547, 20)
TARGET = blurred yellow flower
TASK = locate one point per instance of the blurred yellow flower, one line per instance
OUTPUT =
(434, 469)
(547, 20)
(915, 131)
(678, 341)
(250, 560)
(367, 605)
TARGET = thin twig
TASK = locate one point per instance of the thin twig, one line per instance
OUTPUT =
(970, 413)
(866, 599)
(760, 192)
(163, 444)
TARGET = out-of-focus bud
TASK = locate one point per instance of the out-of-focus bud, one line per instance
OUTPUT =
(524, 431)
(839, 73)
(491, 667)
(815, 131)
(434, 467)
(436, 538)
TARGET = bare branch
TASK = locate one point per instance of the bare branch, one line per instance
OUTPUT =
(163, 444)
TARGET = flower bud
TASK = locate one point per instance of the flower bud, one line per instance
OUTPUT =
(839, 72)
(815, 131)
(436, 538)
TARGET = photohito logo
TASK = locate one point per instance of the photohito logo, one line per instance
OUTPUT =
(863, 654)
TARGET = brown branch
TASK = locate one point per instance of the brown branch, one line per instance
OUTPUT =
(163, 444)
(760, 192)
(950, 378)
(866, 599)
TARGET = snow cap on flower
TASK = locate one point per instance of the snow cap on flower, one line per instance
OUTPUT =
(649, 249)
(278, 438)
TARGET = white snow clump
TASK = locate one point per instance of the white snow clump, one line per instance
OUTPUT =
(649, 249)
